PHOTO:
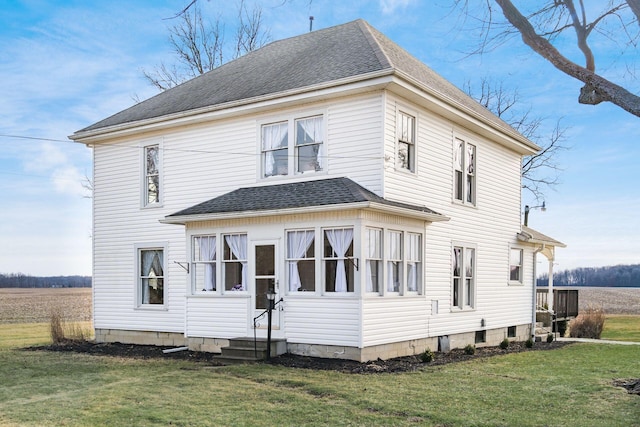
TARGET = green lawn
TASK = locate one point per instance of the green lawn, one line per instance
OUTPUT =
(567, 387)
(621, 328)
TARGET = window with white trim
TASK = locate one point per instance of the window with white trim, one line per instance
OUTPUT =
(406, 141)
(204, 263)
(515, 265)
(234, 262)
(414, 262)
(463, 292)
(277, 146)
(338, 265)
(373, 260)
(394, 261)
(464, 172)
(151, 183)
(301, 270)
(151, 276)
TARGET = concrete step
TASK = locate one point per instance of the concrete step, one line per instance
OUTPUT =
(245, 349)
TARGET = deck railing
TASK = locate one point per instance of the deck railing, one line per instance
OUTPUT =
(565, 301)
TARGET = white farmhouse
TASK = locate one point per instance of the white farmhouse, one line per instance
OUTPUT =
(377, 201)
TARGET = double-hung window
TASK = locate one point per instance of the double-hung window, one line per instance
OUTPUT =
(373, 261)
(338, 260)
(151, 183)
(234, 261)
(394, 261)
(463, 260)
(204, 263)
(292, 147)
(406, 141)
(414, 262)
(515, 265)
(150, 276)
(301, 260)
(464, 172)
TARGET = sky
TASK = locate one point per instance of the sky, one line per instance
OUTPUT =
(67, 64)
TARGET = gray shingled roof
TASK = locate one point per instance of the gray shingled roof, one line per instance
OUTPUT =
(307, 194)
(297, 64)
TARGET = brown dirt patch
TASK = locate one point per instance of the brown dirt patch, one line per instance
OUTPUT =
(400, 364)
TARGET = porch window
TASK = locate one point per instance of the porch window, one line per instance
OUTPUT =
(151, 175)
(463, 261)
(275, 156)
(373, 260)
(414, 264)
(204, 262)
(464, 172)
(338, 260)
(406, 141)
(301, 260)
(394, 262)
(234, 262)
(515, 265)
(309, 140)
(151, 276)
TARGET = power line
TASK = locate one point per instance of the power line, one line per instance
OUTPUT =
(34, 138)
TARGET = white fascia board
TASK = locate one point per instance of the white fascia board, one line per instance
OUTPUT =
(353, 85)
(395, 210)
(463, 115)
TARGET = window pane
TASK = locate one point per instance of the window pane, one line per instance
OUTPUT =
(152, 276)
(468, 262)
(233, 276)
(262, 286)
(275, 140)
(152, 160)
(308, 158)
(309, 131)
(307, 272)
(265, 260)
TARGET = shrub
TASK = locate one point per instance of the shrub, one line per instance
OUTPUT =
(427, 356)
(470, 349)
(549, 337)
(62, 331)
(529, 343)
(504, 344)
(588, 324)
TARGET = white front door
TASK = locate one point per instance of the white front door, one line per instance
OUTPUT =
(266, 278)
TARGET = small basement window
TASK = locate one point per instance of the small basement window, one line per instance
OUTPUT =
(511, 332)
(481, 336)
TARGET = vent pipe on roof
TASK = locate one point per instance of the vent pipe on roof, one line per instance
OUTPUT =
(310, 23)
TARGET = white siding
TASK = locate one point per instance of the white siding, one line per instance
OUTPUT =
(329, 320)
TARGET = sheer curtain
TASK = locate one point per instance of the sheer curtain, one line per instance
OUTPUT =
(298, 243)
(208, 253)
(273, 137)
(340, 240)
(238, 245)
(151, 266)
(373, 251)
(313, 133)
(413, 258)
(394, 254)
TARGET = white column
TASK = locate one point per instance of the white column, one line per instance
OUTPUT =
(550, 296)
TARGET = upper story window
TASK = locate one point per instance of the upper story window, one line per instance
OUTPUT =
(465, 172)
(463, 276)
(406, 141)
(515, 265)
(151, 276)
(305, 147)
(151, 183)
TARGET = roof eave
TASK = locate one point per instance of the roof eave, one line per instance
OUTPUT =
(525, 237)
(356, 84)
(394, 210)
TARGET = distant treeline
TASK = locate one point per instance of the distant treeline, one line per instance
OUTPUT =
(619, 276)
(24, 281)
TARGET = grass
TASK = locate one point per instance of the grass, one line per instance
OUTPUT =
(621, 328)
(567, 387)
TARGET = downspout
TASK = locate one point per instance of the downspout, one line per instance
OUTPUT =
(535, 291)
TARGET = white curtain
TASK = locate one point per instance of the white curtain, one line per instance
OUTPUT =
(394, 254)
(340, 240)
(238, 245)
(273, 137)
(298, 243)
(207, 246)
(413, 258)
(314, 128)
(151, 266)
(373, 248)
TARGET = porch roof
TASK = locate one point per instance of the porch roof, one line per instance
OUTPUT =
(529, 235)
(296, 197)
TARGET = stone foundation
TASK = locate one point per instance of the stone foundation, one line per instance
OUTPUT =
(492, 337)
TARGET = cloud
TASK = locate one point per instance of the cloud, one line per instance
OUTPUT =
(390, 6)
